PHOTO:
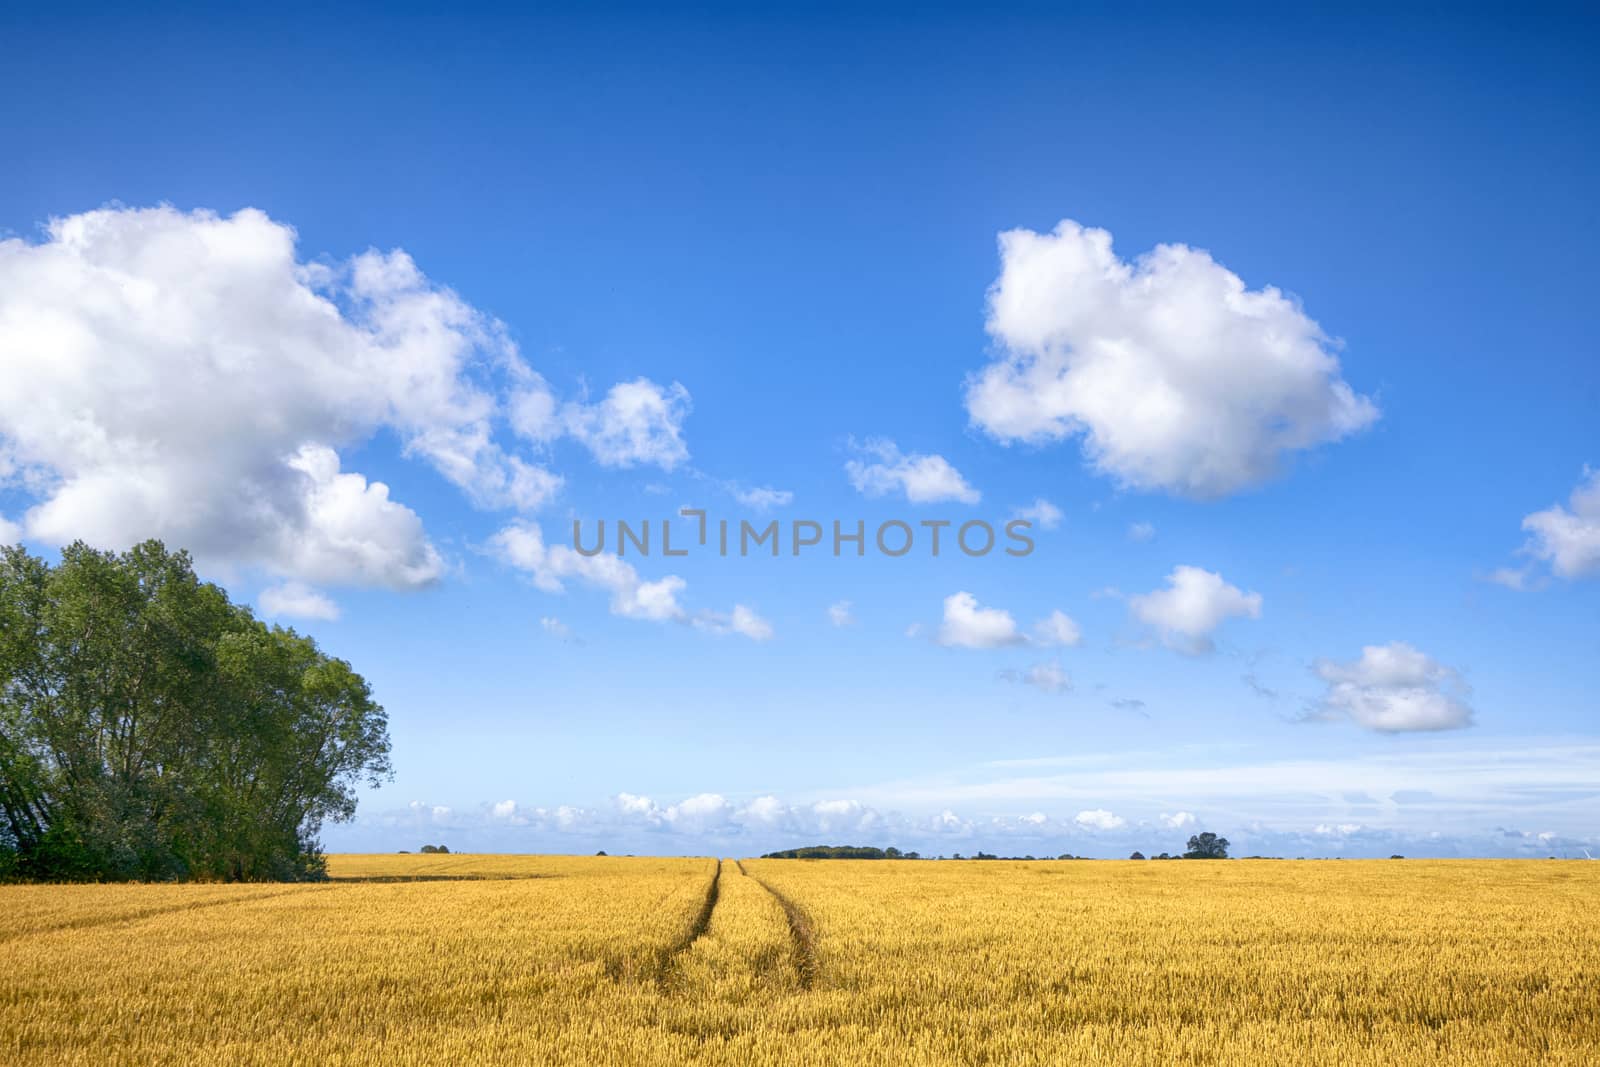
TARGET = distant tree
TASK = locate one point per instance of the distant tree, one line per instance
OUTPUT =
(433, 850)
(1397, 856)
(913, 856)
(602, 852)
(891, 853)
(1207, 846)
(150, 729)
(1137, 856)
(1163, 856)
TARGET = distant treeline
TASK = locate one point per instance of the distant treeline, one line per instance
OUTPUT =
(1206, 846)
(150, 729)
(841, 852)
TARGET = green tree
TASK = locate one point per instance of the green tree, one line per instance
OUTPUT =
(1207, 846)
(151, 729)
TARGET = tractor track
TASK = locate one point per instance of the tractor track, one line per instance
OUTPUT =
(800, 932)
(697, 930)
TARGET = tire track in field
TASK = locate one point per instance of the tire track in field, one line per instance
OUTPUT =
(90, 921)
(800, 932)
(697, 930)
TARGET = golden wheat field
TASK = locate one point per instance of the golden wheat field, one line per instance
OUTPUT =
(562, 960)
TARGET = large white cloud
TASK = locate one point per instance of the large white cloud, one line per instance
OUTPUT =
(880, 468)
(1394, 688)
(184, 375)
(1179, 377)
(1193, 605)
(1568, 538)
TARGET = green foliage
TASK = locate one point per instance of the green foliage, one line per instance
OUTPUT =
(150, 729)
(429, 850)
(834, 852)
(1207, 846)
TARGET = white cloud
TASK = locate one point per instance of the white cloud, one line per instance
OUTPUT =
(555, 627)
(1343, 829)
(1141, 532)
(1191, 607)
(1099, 819)
(1512, 578)
(1394, 688)
(186, 376)
(741, 620)
(521, 544)
(298, 600)
(1178, 820)
(841, 614)
(10, 532)
(1568, 538)
(1178, 377)
(967, 625)
(1049, 676)
(881, 468)
(638, 422)
(764, 498)
(1057, 629)
(1042, 513)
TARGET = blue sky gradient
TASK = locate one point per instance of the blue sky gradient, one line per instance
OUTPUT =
(795, 215)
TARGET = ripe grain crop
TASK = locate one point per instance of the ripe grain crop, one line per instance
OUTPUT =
(558, 960)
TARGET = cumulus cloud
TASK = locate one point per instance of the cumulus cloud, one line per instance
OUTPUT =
(841, 613)
(1049, 676)
(186, 376)
(1566, 538)
(1178, 377)
(636, 423)
(1178, 820)
(1394, 688)
(1192, 606)
(1099, 819)
(10, 532)
(1042, 513)
(880, 468)
(968, 625)
(297, 600)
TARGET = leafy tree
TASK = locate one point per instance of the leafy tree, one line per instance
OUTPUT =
(1137, 856)
(151, 729)
(1207, 846)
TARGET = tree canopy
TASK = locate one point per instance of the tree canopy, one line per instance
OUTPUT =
(1207, 846)
(151, 729)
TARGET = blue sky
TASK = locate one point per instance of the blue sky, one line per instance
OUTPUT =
(1327, 533)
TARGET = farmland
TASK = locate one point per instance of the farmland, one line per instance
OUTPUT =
(522, 959)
